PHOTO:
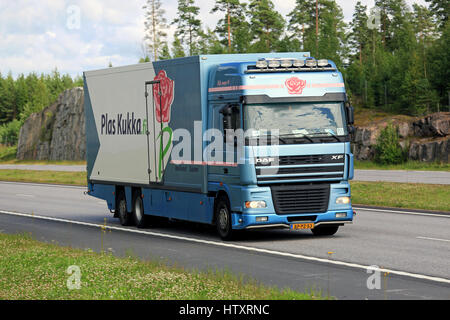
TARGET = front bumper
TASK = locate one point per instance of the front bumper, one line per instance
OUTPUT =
(248, 221)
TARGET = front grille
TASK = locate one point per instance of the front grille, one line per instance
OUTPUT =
(300, 167)
(310, 159)
(294, 199)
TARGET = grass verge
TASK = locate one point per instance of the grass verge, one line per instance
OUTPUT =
(8, 156)
(401, 195)
(57, 177)
(410, 165)
(34, 270)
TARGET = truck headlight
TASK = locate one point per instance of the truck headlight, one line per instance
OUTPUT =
(343, 200)
(255, 204)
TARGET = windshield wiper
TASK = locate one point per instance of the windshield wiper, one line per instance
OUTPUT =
(331, 134)
(269, 135)
(296, 135)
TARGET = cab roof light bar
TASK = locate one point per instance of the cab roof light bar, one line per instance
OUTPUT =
(290, 65)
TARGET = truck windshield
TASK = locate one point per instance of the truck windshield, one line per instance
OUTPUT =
(296, 119)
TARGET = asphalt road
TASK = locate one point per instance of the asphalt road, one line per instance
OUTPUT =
(429, 177)
(414, 247)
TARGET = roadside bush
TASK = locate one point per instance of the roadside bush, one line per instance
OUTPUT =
(9, 133)
(388, 149)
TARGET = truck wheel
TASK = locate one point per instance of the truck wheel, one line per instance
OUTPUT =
(325, 230)
(140, 219)
(121, 209)
(223, 219)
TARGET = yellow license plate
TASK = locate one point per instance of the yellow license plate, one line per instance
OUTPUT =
(302, 226)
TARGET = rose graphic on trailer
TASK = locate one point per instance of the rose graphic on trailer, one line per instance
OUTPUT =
(163, 103)
(295, 85)
(163, 95)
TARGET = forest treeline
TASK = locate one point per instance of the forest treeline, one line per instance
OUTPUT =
(24, 95)
(393, 57)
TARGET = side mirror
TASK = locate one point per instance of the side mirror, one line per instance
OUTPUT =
(350, 115)
(227, 111)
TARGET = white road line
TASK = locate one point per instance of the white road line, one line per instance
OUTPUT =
(24, 195)
(235, 246)
(434, 239)
(404, 212)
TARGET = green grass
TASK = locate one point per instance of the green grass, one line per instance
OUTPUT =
(34, 270)
(8, 156)
(57, 177)
(7, 153)
(401, 195)
(410, 165)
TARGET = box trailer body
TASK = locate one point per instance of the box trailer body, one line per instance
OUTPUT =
(153, 137)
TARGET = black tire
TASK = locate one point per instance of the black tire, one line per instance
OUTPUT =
(140, 219)
(121, 209)
(325, 230)
(223, 219)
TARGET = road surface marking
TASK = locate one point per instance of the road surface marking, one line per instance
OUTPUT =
(434, 239)
(404, 212)
(234, 246)
(24, 195)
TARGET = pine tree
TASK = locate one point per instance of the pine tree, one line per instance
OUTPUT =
(330, 41)
(233, 28)
(302, 22)
(210, 43)
(441, 9)
(359, 31)
(177, 48)
(8, 107)
(266, 25)
(165, 52)
(155, 24)
(188, 25)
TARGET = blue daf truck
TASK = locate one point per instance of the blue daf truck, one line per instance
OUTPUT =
(239, 141)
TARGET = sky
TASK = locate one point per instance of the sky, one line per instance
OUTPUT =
(79, 35)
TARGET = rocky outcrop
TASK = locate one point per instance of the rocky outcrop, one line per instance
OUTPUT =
(430, 150)
(425, 139)
(57, 132)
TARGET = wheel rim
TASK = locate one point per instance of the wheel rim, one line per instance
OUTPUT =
(223, 219)
(138, 209)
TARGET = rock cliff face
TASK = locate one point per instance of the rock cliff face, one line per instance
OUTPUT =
(57, 132)
(426, 139)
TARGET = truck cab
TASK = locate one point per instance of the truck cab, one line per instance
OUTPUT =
(287, 124)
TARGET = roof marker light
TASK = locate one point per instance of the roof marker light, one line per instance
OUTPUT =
(322, 63)
(311, 63)
(261, 64)
(285, 63)
(298, 63)
(274, 63)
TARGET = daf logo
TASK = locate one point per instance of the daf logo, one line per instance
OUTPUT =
(337, 157)
(264, 161)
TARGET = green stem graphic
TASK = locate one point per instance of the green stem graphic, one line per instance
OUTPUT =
(163, 152)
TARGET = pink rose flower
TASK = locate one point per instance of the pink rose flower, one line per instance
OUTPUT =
(164, 102)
